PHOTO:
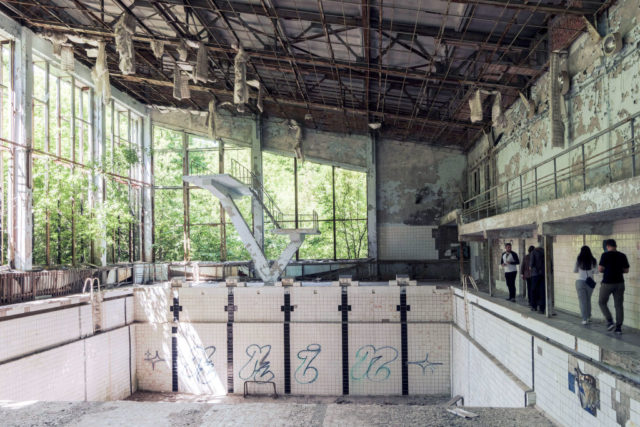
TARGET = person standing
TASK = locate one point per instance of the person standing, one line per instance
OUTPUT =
(613, 265)
(509, 261)
(536, 264)
(526, 274)
(585, 267)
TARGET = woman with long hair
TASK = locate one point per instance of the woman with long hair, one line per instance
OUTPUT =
(585, 266)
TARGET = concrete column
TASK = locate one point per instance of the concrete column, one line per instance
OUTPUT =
(21, 230)
(547, 242)
(522, 251)
(372, 222)
(147, 207)
(489, 270)
(97, 190)
(256, 168)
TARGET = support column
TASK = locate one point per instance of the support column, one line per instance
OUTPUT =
(97, 190)
(372, 222)
(489, 262)
(522, 248)
(548, 274)
(22, 134)
(256, 168)
(147, 207)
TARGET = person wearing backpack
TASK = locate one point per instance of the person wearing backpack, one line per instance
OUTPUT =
(585, 267)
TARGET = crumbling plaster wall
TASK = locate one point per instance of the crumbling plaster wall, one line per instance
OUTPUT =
(604, 91)
(416, 185)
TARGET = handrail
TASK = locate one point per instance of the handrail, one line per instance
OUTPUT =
(531, 188)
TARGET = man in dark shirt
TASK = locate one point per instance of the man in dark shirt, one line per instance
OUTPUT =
(613, 265)
(536, 264)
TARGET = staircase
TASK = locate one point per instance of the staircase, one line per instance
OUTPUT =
(241, 182)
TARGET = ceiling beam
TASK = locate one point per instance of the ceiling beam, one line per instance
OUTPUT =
(303, 104)
(403, 73)
(532, 6)
(473, 38)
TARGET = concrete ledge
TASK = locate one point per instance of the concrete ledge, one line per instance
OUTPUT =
(605, 203)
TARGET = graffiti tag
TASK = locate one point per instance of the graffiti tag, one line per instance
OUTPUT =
(258, 368)
(305, 373)
(155, 359)
(372, 363)
(202, 360)
(426, 364)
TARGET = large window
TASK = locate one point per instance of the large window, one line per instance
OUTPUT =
(6, 69)
(66, 226)
(189, 223)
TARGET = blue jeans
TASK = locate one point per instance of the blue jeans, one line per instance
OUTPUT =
(584, 298)
(538, 292)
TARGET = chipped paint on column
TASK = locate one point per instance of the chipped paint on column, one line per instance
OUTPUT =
(372, 221)
(604, 91)
(256, 167)
(147, 176)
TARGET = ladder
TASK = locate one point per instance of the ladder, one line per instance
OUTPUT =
(93, 285)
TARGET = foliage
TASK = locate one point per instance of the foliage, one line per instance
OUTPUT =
(315, 193)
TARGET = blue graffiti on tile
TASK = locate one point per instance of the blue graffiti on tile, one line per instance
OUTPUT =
(155, 359)
(202, 360)
(258, 368)
(305, 373)
(425, 364)
(372, 363)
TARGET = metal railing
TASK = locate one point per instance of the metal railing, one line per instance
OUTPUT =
(27, 286)
(582, 166)
(279, 219)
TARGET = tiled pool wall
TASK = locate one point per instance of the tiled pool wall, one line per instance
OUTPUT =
(375, 340)
(325, 340)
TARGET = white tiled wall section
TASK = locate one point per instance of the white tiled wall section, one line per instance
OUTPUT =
(95, 368)
(152, 304)
(316, 304)
(108, 368)
(429, 358)
(480, 380)
(566, 249)
(153, 356)
(374, 304)
(406, 242)
(259, 304)
(24, 335)
(203, 304)
(114, 313)
(374, 353)
(258, 354)
(316, 359)
(202, 358)
(429, 303)
(510, 345)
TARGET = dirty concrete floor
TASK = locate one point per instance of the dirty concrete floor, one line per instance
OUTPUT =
(158, 409)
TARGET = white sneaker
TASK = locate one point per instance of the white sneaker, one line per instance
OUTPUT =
(584, 322)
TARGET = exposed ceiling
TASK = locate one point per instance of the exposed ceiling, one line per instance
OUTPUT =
(335, 65)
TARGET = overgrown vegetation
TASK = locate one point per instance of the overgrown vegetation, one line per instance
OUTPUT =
(204, 228)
